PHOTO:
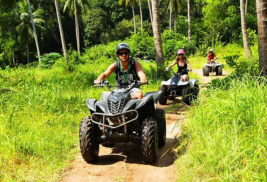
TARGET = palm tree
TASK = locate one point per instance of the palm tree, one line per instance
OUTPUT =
(24, 29)
(150, 12)
(244, 29)
(262, 34)
(34, 31)
(77, 7)
(141, 16)
(189, 20)
(177, 8)
(157, 34)
(61, 32)
(131, 3)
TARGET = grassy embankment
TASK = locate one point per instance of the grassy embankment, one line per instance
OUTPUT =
(224, 136)
(40, 111)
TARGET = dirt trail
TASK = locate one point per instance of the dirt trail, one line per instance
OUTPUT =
(123, 162)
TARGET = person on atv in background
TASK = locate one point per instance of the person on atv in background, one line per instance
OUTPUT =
(182, 64)
(139, 55)
(127, 70)
(211, 56)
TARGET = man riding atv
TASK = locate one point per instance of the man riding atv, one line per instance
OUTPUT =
(127, 70)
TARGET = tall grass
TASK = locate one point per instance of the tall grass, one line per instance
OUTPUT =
(225, 135)
(40, 112)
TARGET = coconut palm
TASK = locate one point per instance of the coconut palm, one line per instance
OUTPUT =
(141, 15)
(244, 29)
(157, 34)
(176, 5)
(61, 32)
(76, 8)
(24, 29)
(189, 19)
(262, 32)
(34, 30)
(131, 3)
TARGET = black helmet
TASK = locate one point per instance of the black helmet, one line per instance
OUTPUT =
(121, 46)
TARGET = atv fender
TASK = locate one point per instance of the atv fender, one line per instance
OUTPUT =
(192, 82)
(144, 101)
(131, 104)
(91, 103)
(183, 83)
(103, 106)
(155, 95)
(105, 95)
(168, 82)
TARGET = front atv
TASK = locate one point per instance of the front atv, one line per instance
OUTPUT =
(117, 118)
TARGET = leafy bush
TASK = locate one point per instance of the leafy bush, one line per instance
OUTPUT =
(48, 60)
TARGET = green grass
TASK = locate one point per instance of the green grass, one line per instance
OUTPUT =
(224, 137)
(40, 112)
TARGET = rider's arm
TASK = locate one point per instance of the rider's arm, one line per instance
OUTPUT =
(103, 76)
(140, 72)
(174, 63)
(187, 62)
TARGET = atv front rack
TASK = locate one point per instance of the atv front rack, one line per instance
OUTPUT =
(121, 117)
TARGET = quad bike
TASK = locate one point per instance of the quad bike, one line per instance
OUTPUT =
(213, 66)
(117, 118)
(175, 87)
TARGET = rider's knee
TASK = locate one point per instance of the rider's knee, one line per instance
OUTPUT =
(138, 95)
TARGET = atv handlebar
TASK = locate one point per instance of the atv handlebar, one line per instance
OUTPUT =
(104, 83)
(177, 74)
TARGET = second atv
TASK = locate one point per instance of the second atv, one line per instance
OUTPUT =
(175, 87)
(211, 67)
(117, 118)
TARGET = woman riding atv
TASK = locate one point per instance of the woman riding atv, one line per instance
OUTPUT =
(182, 64)
(211, 56)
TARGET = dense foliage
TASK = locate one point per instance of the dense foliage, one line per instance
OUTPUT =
(212, 21)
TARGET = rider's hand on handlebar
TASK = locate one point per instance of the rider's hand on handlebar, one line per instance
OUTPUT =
(97, 82)
(190, 70)
(144, 81)
(168, 68)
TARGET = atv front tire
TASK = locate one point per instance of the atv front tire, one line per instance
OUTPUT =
(186, 95)
(163, 96)
(195, 91)
(206, 71)
(219, 70)
(88, 145)
(159, 115)
(149, 140)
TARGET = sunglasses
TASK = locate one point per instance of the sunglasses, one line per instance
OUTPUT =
(123, 53)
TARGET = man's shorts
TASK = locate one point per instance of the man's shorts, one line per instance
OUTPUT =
(134, 90)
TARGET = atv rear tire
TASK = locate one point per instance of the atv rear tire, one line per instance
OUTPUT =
(206, 71)
(163, 96)
(219, 70)
(88, 145)
(149, 140)
(159, 115)
(186, 95)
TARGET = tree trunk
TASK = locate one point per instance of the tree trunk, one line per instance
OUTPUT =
(134, 19)
(34, 31)
(141, 16)
(77, 28)
(61, 33)
(150, 13)
(157, 35)
(244, 29)
(246, 10)
(175, 20)
(189, 20)
(170, 23)
(262, 34)
(28, 56)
